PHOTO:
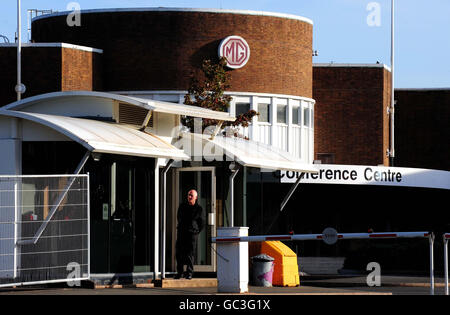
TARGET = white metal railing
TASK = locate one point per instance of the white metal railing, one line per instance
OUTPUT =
(333, 237)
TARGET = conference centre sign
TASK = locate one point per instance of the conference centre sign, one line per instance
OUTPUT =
(372, 175)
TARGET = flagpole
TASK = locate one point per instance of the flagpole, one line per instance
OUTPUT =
(392, 110)
(19, 88)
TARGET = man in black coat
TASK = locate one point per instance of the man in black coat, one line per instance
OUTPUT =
(190, 224)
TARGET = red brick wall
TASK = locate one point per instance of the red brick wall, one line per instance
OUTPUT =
(159, 50)
(422, 130)
(350, 114)
(81, 70)
(48, 69)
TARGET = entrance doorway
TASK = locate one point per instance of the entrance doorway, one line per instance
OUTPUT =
(121, 214)
(203, 180)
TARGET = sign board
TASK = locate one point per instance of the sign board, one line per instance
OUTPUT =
(236, 50)
(372, 175)
(330, 236)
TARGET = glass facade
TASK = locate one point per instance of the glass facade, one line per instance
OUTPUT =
(284, 121)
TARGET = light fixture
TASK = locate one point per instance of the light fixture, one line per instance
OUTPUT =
(96, 156)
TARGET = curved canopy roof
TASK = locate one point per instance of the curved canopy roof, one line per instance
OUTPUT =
(151, 105)
(245, 152)
(104, 137)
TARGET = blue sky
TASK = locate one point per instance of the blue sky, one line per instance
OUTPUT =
(341, 30)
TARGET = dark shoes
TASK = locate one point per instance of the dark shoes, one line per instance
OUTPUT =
(184, 275)
(177, 276)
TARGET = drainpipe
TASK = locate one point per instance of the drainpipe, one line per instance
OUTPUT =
(234, 171)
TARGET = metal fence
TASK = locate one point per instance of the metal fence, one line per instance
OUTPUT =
(44, 229)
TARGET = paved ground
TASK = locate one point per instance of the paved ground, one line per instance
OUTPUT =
(390, 285)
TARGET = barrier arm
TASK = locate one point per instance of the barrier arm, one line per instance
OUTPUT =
(52, 212)
(312, 237)
(316, 237)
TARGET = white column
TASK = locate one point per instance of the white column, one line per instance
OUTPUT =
(254, 128)
(11, 149)
(273, 119)
(156, 222)
(312, 113)
(232, 261)
(289, 146)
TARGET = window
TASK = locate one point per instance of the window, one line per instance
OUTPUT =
(264, 113)
(242, 108)
(281, 114)
(306, 117)
(296, 115)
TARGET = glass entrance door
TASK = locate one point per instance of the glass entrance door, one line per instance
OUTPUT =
(121, 214)
(202, 179)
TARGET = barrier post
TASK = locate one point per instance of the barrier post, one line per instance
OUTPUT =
(232, 261)
(431, 241)
(446, 238)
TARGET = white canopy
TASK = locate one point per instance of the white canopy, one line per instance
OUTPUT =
(104, 137)
(245, 152)
(151, 105)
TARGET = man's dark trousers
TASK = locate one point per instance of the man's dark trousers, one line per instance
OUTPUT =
(185, 251)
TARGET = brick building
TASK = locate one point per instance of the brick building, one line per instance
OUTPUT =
(333, 113)
(352, 121)
(422, 128)
(49, 67)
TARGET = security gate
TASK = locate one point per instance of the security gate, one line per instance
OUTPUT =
(44, 229)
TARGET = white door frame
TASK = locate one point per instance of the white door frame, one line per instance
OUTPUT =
(208, 218)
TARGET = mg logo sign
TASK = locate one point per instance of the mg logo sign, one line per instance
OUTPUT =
(236, 50)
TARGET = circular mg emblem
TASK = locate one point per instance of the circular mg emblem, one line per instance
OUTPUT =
(236, 50)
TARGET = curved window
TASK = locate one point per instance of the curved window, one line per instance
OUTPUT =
(306, 121)
(296, 115)
(264, 113)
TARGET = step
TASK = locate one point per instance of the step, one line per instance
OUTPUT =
(184, 283)
(320, 265)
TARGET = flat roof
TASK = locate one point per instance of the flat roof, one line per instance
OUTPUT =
(353, 65)
(57, 45)
(168, 9)
(423, 89)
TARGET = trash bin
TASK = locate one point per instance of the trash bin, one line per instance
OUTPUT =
(262, 271)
